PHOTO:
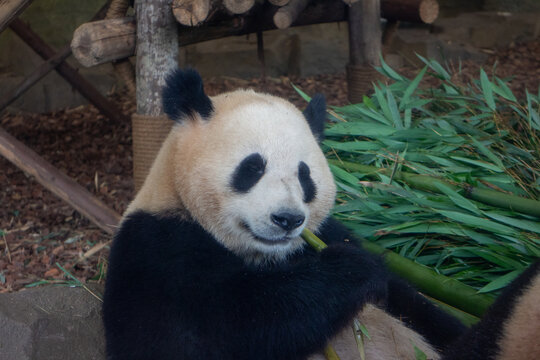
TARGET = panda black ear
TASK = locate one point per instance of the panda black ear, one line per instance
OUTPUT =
(315, 114)
(183, 94)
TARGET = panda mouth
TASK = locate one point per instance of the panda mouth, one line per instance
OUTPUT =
(279, 241)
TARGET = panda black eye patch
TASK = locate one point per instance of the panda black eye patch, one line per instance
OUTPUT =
(248, 173)
(308, 186)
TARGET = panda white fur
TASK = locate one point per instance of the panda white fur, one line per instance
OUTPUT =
(208, 262)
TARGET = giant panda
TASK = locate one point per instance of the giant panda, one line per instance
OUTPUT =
(208, 262)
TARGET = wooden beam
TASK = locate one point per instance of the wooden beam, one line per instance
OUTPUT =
(68, 72)
(10, 9)
(58, 183)
(35, 76)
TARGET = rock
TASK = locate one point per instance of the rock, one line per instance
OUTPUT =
(51, 323)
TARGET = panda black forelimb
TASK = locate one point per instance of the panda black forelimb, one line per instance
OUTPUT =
(403, 301)
(205, 302)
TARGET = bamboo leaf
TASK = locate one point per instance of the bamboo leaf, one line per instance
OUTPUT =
(387, 70)
(358, 129)
(520, 224)
(458, 199)
(487, 89)
(435, 66)
(304, 96)
(383, 103)
(500, 282)
(411, 88)
(478, 163)
(504, 91)
(475, 221)
(394, 112)
(484, 150)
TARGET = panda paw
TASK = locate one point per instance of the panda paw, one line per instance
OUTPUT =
(357, 270)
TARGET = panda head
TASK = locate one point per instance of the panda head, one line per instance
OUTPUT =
(246, 166)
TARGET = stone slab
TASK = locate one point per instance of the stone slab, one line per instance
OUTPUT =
(51, 323)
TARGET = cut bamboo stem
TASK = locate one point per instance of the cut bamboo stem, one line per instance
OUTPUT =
(319, 245)
(428, 183)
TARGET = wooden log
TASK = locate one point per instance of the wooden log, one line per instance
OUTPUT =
(191, 12)
(286, 15)
(279, 2)
(10, 9)
(425, 11)
(58, 183)
(35, 76)
(68, 72)
(318, 12)
(238, 6)
(102, 41)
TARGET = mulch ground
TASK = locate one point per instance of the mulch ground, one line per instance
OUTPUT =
(37, 230)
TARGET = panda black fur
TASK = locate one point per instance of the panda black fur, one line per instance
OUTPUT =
(208, 262)
(510, 329)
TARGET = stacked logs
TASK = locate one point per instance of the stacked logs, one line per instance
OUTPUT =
(107, 40)
(196, 12)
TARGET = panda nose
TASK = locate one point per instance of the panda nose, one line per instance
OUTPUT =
(288, 221)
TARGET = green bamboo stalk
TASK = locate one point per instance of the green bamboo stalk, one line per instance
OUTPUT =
(319, 245)
(428, 183)
(465, 318)
(440, 287)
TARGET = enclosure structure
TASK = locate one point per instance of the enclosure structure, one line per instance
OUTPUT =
(154, 35)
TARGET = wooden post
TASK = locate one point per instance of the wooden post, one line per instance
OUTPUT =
(157, 54)
(58, 183)
(364, 47)
(10, 9)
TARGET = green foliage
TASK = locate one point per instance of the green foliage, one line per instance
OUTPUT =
(475, 135)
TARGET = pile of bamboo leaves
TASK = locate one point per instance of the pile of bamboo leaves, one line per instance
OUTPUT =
(447, 176)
